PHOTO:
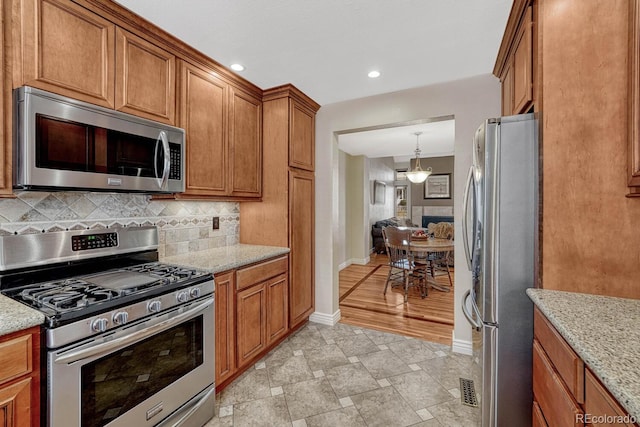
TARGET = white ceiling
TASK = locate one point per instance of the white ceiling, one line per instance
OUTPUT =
(437, 139)
(327, 47)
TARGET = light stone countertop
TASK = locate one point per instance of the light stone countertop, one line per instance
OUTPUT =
(604, 332)
(217, 260)
(15, 316)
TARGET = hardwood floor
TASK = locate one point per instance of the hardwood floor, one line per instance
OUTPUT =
(362, 303)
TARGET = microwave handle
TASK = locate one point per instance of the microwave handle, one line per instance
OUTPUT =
(162, 181)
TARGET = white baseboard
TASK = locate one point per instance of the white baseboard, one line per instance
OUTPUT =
(325, 319)
(359, 261)
(344, 265)
(462, 347)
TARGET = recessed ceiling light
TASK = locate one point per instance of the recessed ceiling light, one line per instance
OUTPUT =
(237, 67)
(374, 74)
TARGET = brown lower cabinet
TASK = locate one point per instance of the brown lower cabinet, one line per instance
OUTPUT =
(20, 379)
(565, 391)
(252, 315)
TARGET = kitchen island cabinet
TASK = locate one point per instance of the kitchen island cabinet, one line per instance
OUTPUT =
(584, 367)
(20, 378)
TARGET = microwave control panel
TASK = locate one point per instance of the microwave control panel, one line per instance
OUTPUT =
(94, 241)
(176, 161)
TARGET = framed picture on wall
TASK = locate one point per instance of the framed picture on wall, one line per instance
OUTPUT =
(437, 186)
(379, 190)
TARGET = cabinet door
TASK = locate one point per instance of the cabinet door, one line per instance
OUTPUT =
(277, 308)
(7, 122)
(145, 78)
(549, 391)
(537, 417)
(67, 50)
(15, 404)
(302, 137)
(522, 66)
(251, 318)
(301, 242)
(507, 91)
(225, 330)
(600, 405)
(203, 116)
(245, 144)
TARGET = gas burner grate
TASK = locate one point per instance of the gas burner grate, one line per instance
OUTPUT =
(468, 393)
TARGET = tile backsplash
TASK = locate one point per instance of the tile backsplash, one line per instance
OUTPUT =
(184, 226)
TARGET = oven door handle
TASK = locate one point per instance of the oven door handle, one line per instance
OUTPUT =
(106, 347)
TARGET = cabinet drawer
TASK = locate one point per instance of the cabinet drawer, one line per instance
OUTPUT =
(599, 404)
(566, 361)
(557, 404)
(15, 358)
(537, 417)
(263, 271)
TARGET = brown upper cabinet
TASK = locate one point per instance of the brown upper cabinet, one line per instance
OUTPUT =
(302, 136)
(69, 50)
(203, 115)
(245, 144)
(223, 127)
(145, 78)
(65, 49)
(633, 168)
(5, 113)
(515, 65)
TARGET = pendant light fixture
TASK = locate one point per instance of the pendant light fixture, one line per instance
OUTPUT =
(418, 175)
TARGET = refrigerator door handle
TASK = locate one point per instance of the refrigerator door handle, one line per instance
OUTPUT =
(465, 210)
(467, 314)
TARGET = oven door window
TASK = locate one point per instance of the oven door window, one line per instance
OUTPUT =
(120, 381)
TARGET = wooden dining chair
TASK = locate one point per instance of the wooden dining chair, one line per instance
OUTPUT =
(401, 261)
(439, 261)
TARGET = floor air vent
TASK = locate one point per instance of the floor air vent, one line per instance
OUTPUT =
(468, 393)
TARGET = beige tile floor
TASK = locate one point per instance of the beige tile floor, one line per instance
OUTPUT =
(349, 376)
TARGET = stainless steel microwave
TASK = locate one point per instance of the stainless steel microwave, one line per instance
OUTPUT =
(64, 144)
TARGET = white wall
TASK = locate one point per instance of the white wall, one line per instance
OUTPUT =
(469, 100)
(380, 169)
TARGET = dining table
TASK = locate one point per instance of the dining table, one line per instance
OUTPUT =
(422, 247)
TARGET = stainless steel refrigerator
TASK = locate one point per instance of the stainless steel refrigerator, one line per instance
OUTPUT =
(500, 238)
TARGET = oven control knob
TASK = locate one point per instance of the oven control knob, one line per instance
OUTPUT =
(120, 318)
(182, 296)
(194, 293)
(99, 325)
(154, 306)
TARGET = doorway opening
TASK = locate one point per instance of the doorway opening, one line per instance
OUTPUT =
(383, 154)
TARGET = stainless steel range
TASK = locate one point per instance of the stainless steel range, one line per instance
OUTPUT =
(129, 341)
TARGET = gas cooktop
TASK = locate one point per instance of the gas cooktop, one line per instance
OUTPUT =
(105, 289)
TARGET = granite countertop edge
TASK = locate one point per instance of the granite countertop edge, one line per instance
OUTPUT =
(606, 351)
(218, 260)
(15, 316)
